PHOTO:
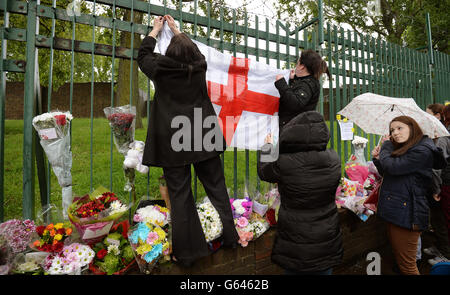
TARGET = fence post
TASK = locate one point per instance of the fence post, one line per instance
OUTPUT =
(320, 4)
(2, 111)
(430, 53)
(28, 111)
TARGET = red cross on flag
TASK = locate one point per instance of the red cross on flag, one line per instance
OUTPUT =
(243, 94)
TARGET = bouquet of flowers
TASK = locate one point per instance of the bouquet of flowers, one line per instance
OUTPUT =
(351, 195)
(18, 233)
(153, 214)
(114, 254)
(121, 120)
(29, 263)
(53, 129)
(71, 260)
(52, 237)
(250, 229)
(93, 215)
(209, 218)
(355, 170)
(241, 207)
(149, 243)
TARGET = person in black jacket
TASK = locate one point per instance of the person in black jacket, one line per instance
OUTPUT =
(302, 92)
(406, 162)
(441, 249)
(181, 99)
(309, 238)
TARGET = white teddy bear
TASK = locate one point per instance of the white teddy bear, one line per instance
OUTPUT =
(133, 159)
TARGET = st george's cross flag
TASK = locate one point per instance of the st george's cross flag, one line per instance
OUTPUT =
(242, 92)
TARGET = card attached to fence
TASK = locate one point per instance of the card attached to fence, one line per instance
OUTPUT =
(49, 133)
(346, 130)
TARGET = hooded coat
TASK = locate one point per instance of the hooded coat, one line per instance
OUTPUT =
(181, 108)
(301, 94)
(308, 237)
(407, 182)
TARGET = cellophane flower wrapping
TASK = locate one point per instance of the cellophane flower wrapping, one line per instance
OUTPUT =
(94, 214)
(359, 144)
(355, 170)
(6, 256)
(351, 195)
(72, 260)
(122, 122)
(210, 220)
(52, 237)
(114, 254)
(54, 131)
(18, 233)
(29, 263)
(149, 243)
(250, 228)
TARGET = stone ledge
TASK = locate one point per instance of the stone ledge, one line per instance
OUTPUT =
(359, 238)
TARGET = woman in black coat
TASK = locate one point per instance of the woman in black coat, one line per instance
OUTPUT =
(301, 93)
(406, 162)
(177, 138)
(309, 239)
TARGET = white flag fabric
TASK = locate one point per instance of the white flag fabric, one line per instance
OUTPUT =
(242, 92)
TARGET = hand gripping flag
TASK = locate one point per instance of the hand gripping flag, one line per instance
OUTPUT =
(242, 92)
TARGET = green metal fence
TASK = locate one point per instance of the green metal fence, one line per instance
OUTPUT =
(358, 63)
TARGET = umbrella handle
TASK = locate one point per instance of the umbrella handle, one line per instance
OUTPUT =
(379, 140)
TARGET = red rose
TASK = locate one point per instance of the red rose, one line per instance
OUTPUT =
(57, 247)
(60, 120)
(40, 230)
(61, 231)
(102, 253)
(271, 217)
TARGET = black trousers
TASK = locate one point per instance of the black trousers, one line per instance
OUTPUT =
(188, 240)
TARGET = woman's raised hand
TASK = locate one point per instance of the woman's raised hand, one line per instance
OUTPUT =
(376, 152)
(157, 26)
(172, 24)
(292, 74)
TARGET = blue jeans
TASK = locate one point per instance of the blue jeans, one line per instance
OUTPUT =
(326, 272)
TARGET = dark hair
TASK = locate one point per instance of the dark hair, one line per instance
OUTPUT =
(446, 113)
(437, 108)
(182, 49)
(314, 63)
(415, 135)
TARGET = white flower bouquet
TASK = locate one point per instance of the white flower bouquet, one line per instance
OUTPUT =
(53, 129)
(210, 220)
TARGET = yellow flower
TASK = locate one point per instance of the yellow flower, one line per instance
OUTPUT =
(57, 237)
(161, 233)
(165, 246)
(58, 226)
(141, 250)
(45, 232)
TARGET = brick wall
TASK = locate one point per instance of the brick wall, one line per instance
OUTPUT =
(359, 237)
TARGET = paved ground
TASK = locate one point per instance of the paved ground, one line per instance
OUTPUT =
(359, 266)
